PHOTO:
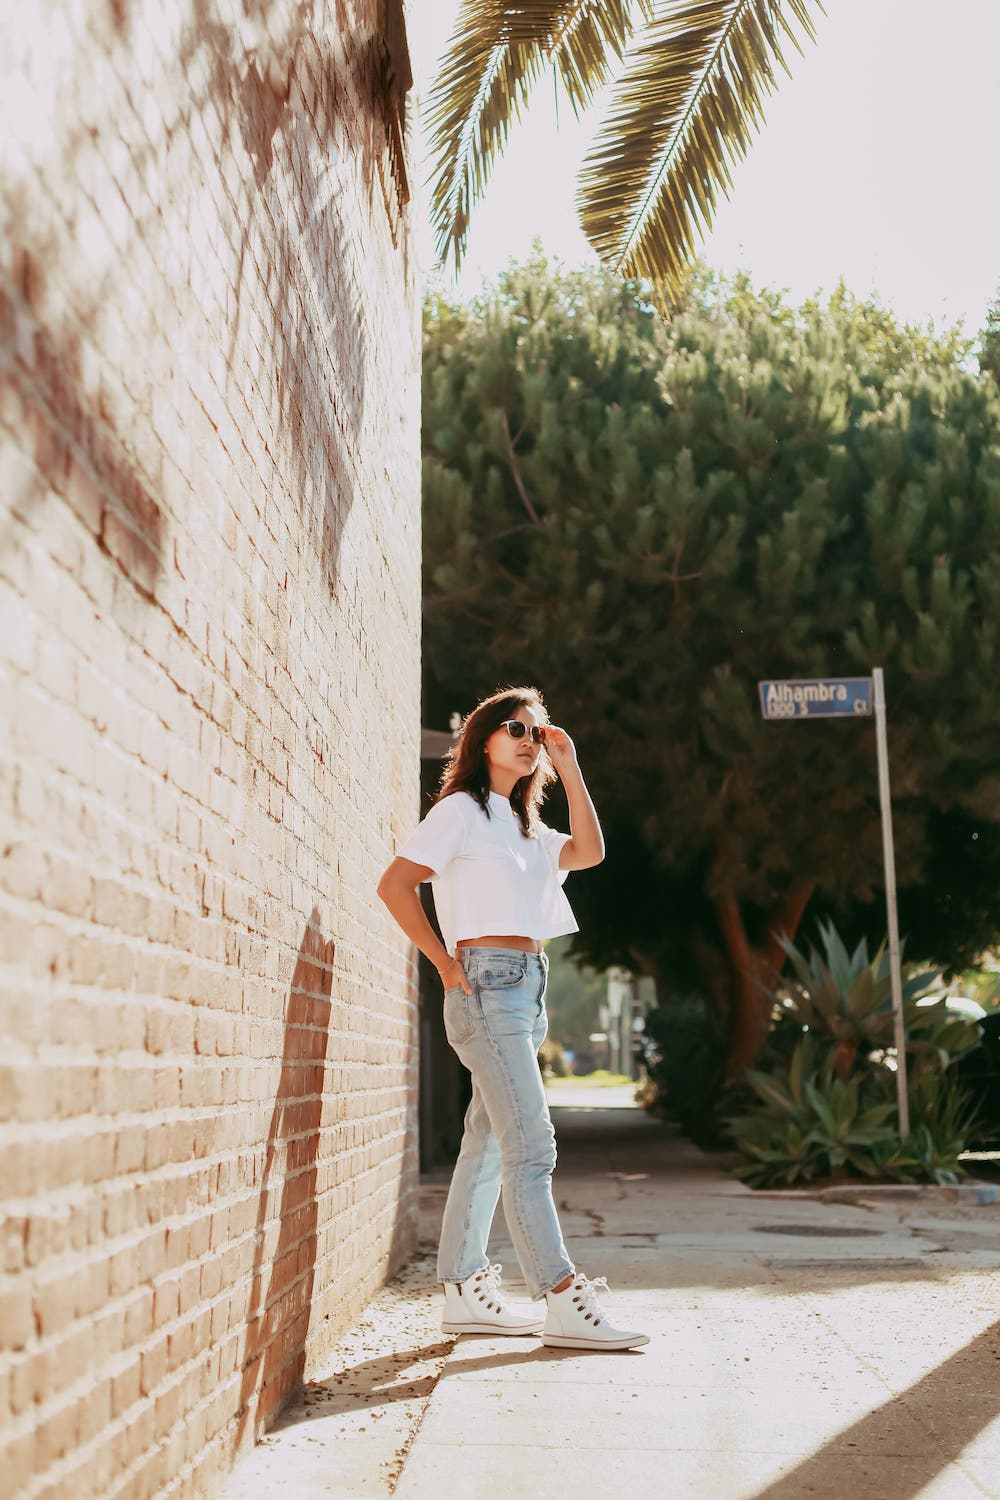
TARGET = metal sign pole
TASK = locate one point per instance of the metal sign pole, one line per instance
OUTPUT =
(889, 856)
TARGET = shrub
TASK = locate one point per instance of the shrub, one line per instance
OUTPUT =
(845, 1001)
(829, 1107)
(943, 1119)
(551, 1060)
(685, 1057)
(979, 1070)
(811, 1124)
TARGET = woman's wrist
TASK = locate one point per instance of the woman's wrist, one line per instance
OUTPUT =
(569, 771)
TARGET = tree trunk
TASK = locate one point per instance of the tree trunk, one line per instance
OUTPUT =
(755, 970)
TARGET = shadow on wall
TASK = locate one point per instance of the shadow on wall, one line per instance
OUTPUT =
(292, 244)
(283, 101)
(282, 1286)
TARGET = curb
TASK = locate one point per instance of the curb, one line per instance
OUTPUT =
(969, 1194)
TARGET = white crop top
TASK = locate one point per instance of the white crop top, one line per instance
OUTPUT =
(489, 878)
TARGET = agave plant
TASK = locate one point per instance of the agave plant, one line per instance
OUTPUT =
(809, 1123)
(845, 999)
(943, 1119)
(688, 79)
(831, 1105)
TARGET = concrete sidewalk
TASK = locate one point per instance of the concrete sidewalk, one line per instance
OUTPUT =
(801, 1348)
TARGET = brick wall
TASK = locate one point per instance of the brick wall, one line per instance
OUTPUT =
(209, 667)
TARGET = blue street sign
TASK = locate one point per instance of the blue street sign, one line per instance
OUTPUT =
(816, 698)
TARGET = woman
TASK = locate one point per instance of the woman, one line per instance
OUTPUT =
(497, 874)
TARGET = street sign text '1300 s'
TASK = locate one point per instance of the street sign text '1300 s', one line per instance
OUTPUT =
(816, 697)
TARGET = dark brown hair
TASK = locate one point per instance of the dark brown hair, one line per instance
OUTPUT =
(465, 768)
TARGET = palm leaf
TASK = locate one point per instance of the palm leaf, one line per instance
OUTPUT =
(685, 108)
(497, 53)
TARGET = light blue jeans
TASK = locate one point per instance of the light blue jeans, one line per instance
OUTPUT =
(508, 1142)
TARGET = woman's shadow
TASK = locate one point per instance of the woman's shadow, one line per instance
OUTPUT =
(284, 1265)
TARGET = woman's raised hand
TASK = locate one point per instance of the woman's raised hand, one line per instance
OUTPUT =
(562, 751)
(453, 975)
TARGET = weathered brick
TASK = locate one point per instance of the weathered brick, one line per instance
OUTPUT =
(56, 1433)
(186, 432)
(17, 1461)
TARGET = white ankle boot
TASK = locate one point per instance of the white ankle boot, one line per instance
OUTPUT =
(478, 1305)
(576, 1319)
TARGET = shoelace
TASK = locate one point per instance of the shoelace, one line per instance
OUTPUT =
(491, 1283)
(588, 1293)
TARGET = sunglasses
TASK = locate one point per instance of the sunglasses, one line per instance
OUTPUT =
(517, 729)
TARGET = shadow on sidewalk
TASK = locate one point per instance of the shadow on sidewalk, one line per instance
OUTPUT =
(953, 1404)
(378, 1382)
(374, 1382)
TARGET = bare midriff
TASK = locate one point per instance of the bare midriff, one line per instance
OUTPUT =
(522, 944)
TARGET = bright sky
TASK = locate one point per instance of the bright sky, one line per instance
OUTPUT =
(878, 162)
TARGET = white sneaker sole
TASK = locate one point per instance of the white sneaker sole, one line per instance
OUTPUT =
(529, 1328)
(567, 1341)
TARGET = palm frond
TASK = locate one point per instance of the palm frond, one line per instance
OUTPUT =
(497, 53)
(685, 108)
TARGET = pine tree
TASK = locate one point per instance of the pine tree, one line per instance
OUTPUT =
(989, 341)
(646, 519)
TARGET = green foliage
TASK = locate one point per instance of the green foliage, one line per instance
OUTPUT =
(989, 341)
(647, 518)
(808, 1127)
(949, 902)
(845, 1001)
(943, 1119)
(983, 986)
(830, 1105)
(600, 1078)
(573, 998)
(686, 87)
(979, 1071)
(686, 1058)
(551, 1060)
(810, 1124)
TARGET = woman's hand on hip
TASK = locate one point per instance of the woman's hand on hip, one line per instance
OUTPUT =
(453, 976)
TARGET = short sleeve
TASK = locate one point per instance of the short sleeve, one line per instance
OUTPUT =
(552, 842)
(440, 837)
